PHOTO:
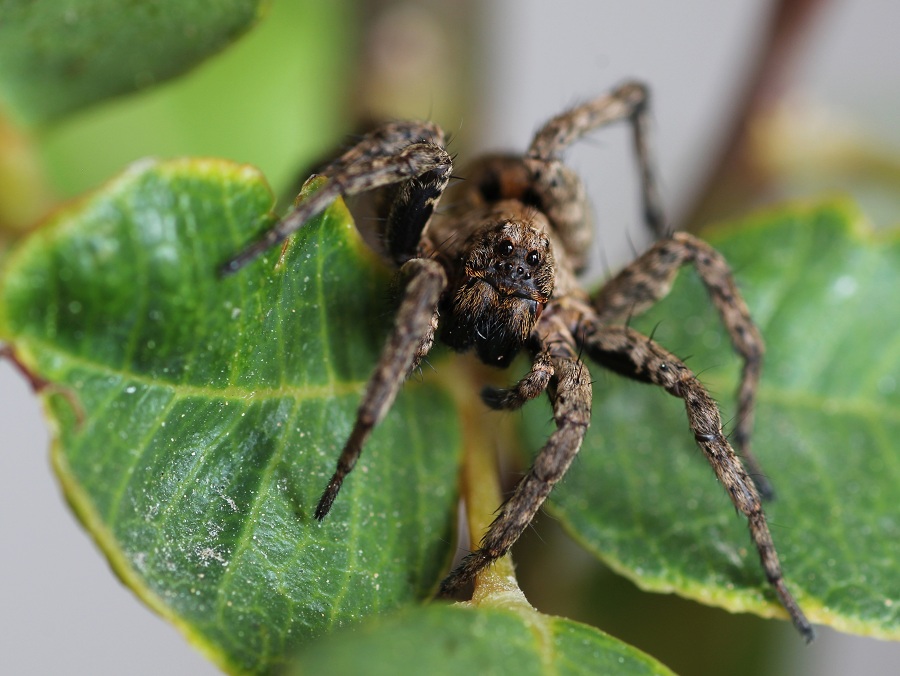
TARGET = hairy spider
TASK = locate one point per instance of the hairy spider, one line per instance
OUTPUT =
(496, 272)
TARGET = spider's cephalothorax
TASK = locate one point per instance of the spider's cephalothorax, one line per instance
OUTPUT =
(495, 273)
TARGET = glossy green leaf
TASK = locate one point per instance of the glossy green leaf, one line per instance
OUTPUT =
(823, 290)
(58, 57)
(197, 419)
(443, 639)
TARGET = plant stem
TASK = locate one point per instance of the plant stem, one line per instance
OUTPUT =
(496, 585)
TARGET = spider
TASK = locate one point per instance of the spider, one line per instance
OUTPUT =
(495, 272)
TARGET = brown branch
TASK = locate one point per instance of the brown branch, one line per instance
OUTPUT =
(735, 178)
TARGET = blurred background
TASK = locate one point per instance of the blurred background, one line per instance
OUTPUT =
(752, 103)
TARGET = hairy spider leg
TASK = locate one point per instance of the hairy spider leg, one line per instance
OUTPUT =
(424, 281)
(649, 278)
(409, 158)
(631, 354)
(369, 165)
(629, 101)
(556, 366)
(570, 395)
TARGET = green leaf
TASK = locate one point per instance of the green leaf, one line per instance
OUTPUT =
(59, 57)
(214, 410)
(442, 639)
(823, 290)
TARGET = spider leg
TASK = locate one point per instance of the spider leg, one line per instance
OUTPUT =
(632, 354)
(526, 389)
(399, 153)
(629, 101)
(649, 278)
(412, 337)
(385, 140)
(406, 207)
(570, 394)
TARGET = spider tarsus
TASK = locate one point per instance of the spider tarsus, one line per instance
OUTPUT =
(235, 263)
(463, 574)
(656, 219)
(804, 627)
(793, 608)
(496, 398)
(328, 496)
(449, 587)
(229, 267)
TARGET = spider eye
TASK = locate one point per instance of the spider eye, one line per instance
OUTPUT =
(505, 248)
(533, 258)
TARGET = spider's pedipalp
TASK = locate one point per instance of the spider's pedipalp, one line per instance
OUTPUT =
(413, 335)
(528, 388)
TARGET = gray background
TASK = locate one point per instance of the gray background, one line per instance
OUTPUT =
(61, 609)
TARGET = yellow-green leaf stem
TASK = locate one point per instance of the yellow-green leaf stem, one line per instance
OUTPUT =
(481, 493)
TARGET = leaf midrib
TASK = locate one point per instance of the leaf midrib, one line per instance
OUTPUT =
(327, 390)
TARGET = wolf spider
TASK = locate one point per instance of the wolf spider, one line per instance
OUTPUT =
(496, 272)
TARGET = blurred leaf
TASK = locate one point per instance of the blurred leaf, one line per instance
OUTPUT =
(214, 410)
(641, 496)
(58, 57)
(24, 195)
(275, 99)
(442, 639)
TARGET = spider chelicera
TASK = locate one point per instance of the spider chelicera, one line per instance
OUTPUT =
(495, 272)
